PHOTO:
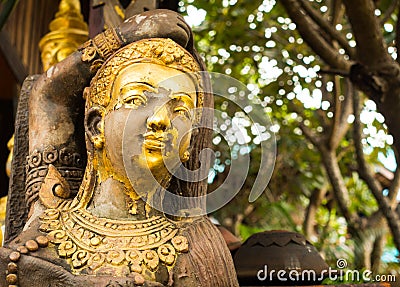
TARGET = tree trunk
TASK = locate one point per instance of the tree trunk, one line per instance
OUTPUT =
(377, 251)
(362, 250)
(309, 219)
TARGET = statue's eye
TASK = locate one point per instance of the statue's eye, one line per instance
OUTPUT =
(135, 100)
(182, 111)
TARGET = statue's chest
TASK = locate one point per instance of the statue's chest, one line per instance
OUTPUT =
(93, 245)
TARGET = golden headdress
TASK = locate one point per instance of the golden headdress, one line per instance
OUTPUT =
(161, 51)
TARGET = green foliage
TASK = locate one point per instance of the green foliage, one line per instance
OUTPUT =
(362, 200)
(256, 43)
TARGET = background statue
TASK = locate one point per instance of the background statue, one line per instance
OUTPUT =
(67, 32)
(101, 158)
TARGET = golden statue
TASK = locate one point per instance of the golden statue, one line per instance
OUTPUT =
(135, 101)
(67, 32)
(10, 146)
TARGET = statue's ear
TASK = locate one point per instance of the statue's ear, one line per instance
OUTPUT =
(94, 126)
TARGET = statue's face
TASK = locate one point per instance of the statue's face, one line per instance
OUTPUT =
(150, 118)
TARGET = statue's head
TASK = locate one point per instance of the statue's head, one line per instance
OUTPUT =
(141, 107)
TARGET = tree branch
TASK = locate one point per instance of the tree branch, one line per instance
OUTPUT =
(377, 251)
(366, 174)
(321, 114)
(338, 72)
(336, 127)
(343, 109)
(340, 191)
(389, 12)
(328, 28)
(363, 168)
(394, 188)
(347, 103)
(333, 171)
(309, 134)
(315, 201)
(336, 7)
(397, 40)
(323, 120)
(311, 36)
(343, 152)
(371, 48)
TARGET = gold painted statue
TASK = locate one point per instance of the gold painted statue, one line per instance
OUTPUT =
(67, 32)
(113, 129)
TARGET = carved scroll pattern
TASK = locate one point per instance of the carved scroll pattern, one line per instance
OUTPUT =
(69, 164)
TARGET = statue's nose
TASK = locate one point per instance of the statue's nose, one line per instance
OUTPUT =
(160, 120)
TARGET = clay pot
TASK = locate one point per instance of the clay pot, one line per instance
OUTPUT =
(279, 257)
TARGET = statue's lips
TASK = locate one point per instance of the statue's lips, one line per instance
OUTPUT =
(154, 142)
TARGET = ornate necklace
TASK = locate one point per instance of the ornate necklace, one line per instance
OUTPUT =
(91, 244)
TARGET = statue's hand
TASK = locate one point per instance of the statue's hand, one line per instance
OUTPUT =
(159, 23)
(34, 270)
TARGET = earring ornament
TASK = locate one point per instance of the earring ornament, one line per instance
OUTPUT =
(98, 141)
(186, 156)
